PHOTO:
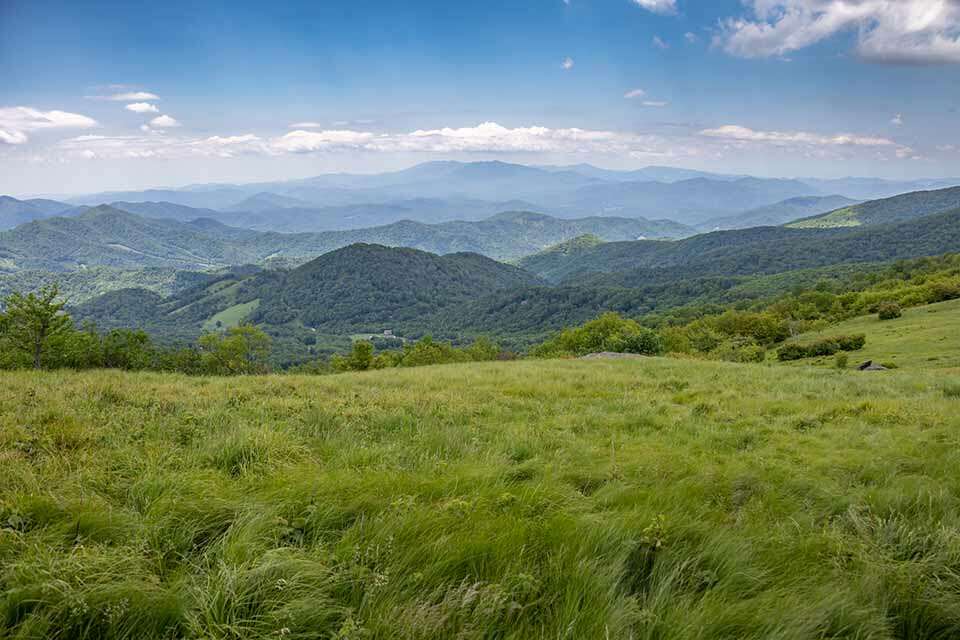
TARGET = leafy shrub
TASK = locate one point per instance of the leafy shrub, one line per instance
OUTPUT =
(889, 311)
(823, 347)
(841, 360)
(740, 351)
(792, 351)
(425, 351)
(609, 332)
(360, 358)
(241, 350)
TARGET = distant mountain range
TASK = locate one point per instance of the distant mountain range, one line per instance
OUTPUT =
(106, 236)
(215, 257)
(368, 288)
(445, 191)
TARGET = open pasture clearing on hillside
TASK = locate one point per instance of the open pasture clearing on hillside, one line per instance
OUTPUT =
(926, 337)
(537, 499)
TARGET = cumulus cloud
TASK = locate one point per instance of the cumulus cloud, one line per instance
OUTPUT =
(636, 93)
(484, 138)
(17, 122)
(309, 141)
(488, 137)
(691, 37)
(306, 125)
(897, 120)
(655, 103)
(164, 122)
(745, 134)
(658, 6)
(660, 43)
(888, 31)
(127, 96)
(142, 107)
(567, 63)
(166, 147)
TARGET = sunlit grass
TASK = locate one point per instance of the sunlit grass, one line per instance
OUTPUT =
(557, 499)
(926, 337)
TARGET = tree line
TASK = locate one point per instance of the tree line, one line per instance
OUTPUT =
(37, 332)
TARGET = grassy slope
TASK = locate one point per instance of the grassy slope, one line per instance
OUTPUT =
(560, 499)
(924, 337)
(900, 208)
(232, 316)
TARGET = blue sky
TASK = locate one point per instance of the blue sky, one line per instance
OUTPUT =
(219, 91)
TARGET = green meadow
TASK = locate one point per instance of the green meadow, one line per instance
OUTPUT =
(649, 498)
(926, 337)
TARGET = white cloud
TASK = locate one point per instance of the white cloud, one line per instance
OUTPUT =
(306, 125)
(660, 43)
(12, 136)
(17, 122)
(142, 107)
(484, 138)
(127, 96)
(157, 146)
(487, 137)
(897, 120)
(658, 6)
(164, 122)
(745, 134)
(891, 31)
(691, 37)
(655, 103)
(567, 63)
(309, 141)
(492, 137)
(636, 93)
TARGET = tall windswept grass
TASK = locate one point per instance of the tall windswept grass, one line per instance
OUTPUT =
(559, 499)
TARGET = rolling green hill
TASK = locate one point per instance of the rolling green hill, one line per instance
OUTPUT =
(924, 338)
(777, 214)
(15, 212)
(370, 287)
(106, 236)
(908, 206)
(360, 288)
(78, 287)
(648, 498)
(761, 250)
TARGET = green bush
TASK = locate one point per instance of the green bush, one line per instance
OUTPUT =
(609, 332)
(889, 311)
(823, 347)
(841, 360)
(739, 351)
(240, 351)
